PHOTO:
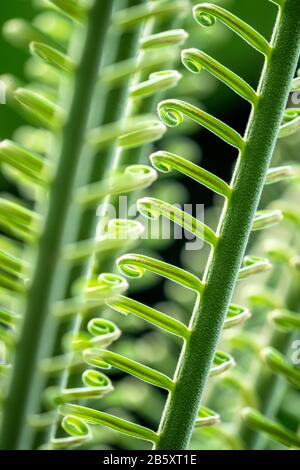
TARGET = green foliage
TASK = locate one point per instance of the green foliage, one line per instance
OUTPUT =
(98, 77)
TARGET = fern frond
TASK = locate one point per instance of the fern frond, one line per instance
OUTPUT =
(198, 359)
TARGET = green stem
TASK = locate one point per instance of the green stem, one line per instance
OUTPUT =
(49, 249)
(196, 358)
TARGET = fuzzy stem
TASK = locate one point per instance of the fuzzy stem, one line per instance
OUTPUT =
(196, 358)
(49, 249)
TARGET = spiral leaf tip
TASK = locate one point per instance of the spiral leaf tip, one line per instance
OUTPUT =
(203, 18)
(192, 65)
